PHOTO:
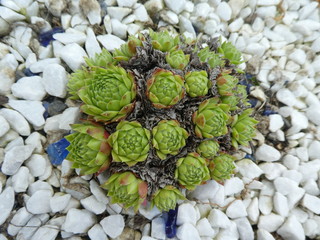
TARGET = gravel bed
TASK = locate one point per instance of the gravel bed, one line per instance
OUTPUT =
(275, 191)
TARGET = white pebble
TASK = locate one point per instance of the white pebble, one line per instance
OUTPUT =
(315, 47)
(118, 12)
(20, 180)
(267, 153)
(186, 26)
(4, 126)
(39, 202)
(119, 29)
(313, 150)
(312, 203)
(205, 191)
(280, 204)
(6, 203)
(158, 228)
(126, 3)
(311, 187)
(14, 158)
(110, 42)
(92, 204)
(255, 49)
(20, 218)
(10, 16)
(295, 196)
(48, 232)
(170, 17)
(299, 56)
(276, 122)
(141, 14)
(270, 222)
(228, 233)
(286, 96)
(55, 7)
(73, 55)
(285, 185)
(218, 219)
(265, 204)
(29, 88)
(97, 233)
(38, 67)
(253, 210)
(98, 192)
(291, 229)
(236, 209)
(204, 228)
(188, 231)
(186, 214)
(233, 186)
(31, 110)
(236, 25)
(59, 202)
(92, 10)
(92, 45)
(78, 221)
(68, 38)
(55, 80)
(113, 225)
(248, 168)
(264, 235)
(224, 11)
(149, 213)
(69, 116)
(202, 9)
(36, 164)
(244, 228)
(176, 6)
(299, 121)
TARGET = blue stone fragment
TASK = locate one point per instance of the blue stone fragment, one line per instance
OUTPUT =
(171, 222)
(253, 102)
(267, 111)
(248, 85)
(28, 73)
(46, 37)
(57, 151)
(250, 156)
(45, 104)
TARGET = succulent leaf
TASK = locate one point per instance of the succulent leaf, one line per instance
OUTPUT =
(192, 171)
(100, 60)
(212, 58)
(226, 84)
(89, 149)
(166, 198)
(127, 50)
(125, 188)
(164, 89)
(211, 119)
(130, 143)
(168, 138)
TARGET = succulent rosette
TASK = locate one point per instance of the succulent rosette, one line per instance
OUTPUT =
(108, 94)
(230, 52)
(192, 171)
(165, 89)
(211, 119)
(128, 50)
(130, 143)
(221, 167)
(163, 41)
(168, 138)
(102, 59)
(208, 149)
(226, 84)
(197, 83)
(89, 150)
(212, 58)
(177, 59)
(243, 128)
(166, 198)
(125, 188)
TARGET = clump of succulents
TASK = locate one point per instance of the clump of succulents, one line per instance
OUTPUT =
(164, 113)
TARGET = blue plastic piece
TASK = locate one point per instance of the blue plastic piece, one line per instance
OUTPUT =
(171, 222)
(248, 85)
(253, 102)
(250, 156)
(45, 104)
(57, 151)
(46, 37)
